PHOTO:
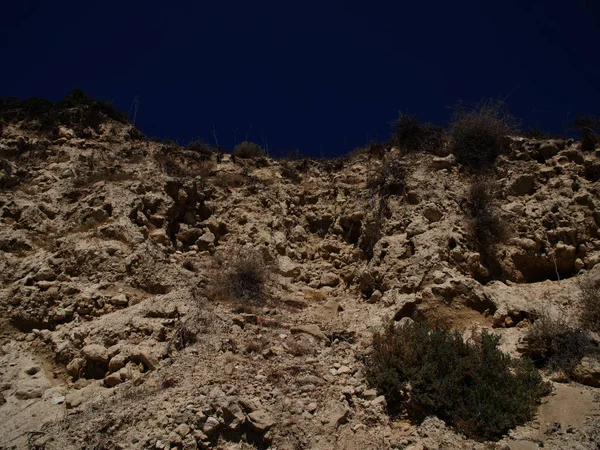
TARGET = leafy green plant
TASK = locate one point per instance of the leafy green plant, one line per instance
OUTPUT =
(472, 386)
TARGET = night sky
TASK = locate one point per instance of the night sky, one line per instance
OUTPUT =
(321, 77)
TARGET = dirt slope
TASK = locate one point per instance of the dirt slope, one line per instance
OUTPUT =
(112, 336)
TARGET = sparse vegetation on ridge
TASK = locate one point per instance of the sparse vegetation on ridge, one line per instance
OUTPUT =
(77, 110)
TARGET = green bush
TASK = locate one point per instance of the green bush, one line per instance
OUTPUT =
(413, 136)
(472, 386)
(248, 150)
(480, 135)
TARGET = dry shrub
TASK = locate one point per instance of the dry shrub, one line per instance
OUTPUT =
(480, 135)
(315, 296)
(554, 343)
(331, 165)
(257, 345)
(370, 235)
(488, 228)
(390, 179)
(247, 150)
(243, 277)
(413, 136)
(300, 347)
(169, 382)
(203, 149)
(472, 386)
(537, 133)
(589, 307)
(289, 171)
(226, 179)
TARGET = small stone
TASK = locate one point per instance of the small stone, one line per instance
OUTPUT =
(523, 185)
(58, 400)
(119, 300)
(311, 407)
(375, 297)
(74, 399)
(379, 401)
(339, 417)
(369, 394)
(32, 370)
(210, 426)
(206, 241)
(329, 279)
(447, 162)
(260, 420)
(113, 379)
(117, 362)
(311, 329)
(75, 367)
(432, 213)
(343, 370)
(96, 353)
(183, 429)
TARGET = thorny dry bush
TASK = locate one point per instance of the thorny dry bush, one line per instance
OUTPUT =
(552, 342)
(487, 227)
(589, 307)
(247, 150)
(242, 277)
(479, 135)
(413, 136)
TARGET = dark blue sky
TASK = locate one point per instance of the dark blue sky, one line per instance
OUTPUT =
(318, 76)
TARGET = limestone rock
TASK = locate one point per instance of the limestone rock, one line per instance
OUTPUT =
(206, 241)
(447, 162)
(329, 279)
(312, 330)
(432, 213)
(113, 379)
(588, 371)
(260, 420)
(522, 185)
(96, 353)
(287, 268)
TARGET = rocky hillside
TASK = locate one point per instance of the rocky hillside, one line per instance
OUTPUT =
(115, 334)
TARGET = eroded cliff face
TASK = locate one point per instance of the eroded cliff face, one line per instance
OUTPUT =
(113, 337)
